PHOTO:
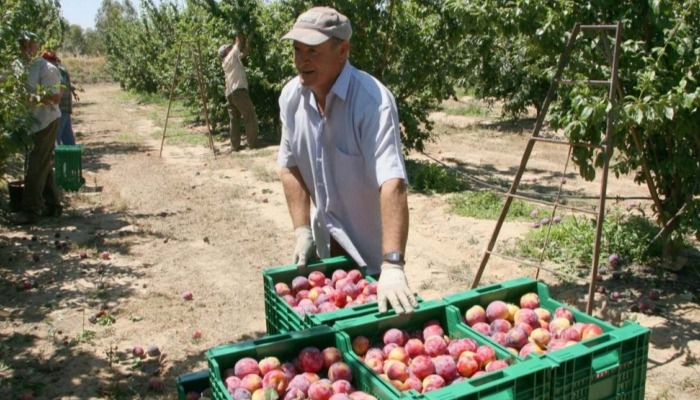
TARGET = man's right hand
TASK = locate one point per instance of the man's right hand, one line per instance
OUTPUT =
(305, 249)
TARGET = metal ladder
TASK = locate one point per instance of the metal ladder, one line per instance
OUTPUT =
(614, 93)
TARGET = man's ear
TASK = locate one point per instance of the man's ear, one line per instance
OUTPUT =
(345, 48)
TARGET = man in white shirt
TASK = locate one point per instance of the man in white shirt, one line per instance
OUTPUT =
(341, 150)
(239, 102)
(44, 88)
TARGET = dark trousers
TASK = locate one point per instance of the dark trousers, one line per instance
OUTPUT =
(39, 184)
(241, 107)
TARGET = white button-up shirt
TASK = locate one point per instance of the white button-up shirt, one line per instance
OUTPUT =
(234, 72)
(344, 157)
(42, 75)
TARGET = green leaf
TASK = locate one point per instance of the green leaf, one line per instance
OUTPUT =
(587, 112)
(638, 116)
(689, 99)
(668, 112)
(608, 107)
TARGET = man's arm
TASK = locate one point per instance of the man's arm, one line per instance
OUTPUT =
(297, 195)
(394, 210)
(299, 204)
(392, 285)
(242, 45)
(52, 99)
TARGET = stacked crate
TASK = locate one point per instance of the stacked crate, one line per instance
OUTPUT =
(609, 366)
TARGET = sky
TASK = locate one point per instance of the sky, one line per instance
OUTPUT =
(83, 12)
(80, 12)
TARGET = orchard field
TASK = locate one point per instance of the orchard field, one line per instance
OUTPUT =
(190, 221)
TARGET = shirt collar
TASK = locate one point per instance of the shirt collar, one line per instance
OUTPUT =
(341, 85)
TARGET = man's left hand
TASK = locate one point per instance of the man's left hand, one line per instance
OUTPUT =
(393, 288)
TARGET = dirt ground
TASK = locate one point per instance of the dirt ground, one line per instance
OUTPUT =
(154, 227)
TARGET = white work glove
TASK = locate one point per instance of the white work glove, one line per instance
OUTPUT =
(305, 249)
(393, 288)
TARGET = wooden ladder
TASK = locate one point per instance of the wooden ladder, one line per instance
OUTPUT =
(613, 94)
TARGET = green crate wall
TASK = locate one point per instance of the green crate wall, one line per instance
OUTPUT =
(613, 366)
(523, 380)
(280, 317)
(192, 382)
(69, 167)
(284, 346)
(610, 366)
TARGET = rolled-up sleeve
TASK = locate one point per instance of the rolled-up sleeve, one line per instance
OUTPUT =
(285, 157)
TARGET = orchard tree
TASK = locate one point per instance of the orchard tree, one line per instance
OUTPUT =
(73, 39)
(43, 18)
(510, 51)
(397, 41)
(93, 43)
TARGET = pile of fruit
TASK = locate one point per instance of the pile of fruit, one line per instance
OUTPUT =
(313, 374)
(426, 360)
(317, 293)
(529, 328)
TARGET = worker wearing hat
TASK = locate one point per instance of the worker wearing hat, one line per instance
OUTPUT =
(41, 197)
(341, 152)
(240, 105)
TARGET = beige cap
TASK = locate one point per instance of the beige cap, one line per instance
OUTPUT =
(319, 24)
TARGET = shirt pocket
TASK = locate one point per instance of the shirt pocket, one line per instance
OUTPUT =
(350, 179)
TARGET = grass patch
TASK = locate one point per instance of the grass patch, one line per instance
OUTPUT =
(571, 240)
(426, 177)
(147, 98)
(179, 135)
(128, 137)
(264, 174)
(467, 109)
(488, 205)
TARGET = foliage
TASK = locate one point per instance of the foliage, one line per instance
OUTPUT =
(488, 205)
(510, 51)
(42, 18)
(77, 41)
(469, 108)
(426, 177)
(396, 41)
(571, 241)
(73, 39)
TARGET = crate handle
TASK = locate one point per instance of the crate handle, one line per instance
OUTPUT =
(490, 377)
(606, 361)
(597, 340)
(489, 288)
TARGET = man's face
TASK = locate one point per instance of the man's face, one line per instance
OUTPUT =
(320, 65)
(30, 48)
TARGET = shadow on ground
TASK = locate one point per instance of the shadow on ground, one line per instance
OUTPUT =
(678, 293)
(64, 268)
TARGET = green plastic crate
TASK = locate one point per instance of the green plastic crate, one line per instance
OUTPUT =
(280, 317)
(284, 346)
(69, 167)
(192, 382)
(522, 380)
(610, 366)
